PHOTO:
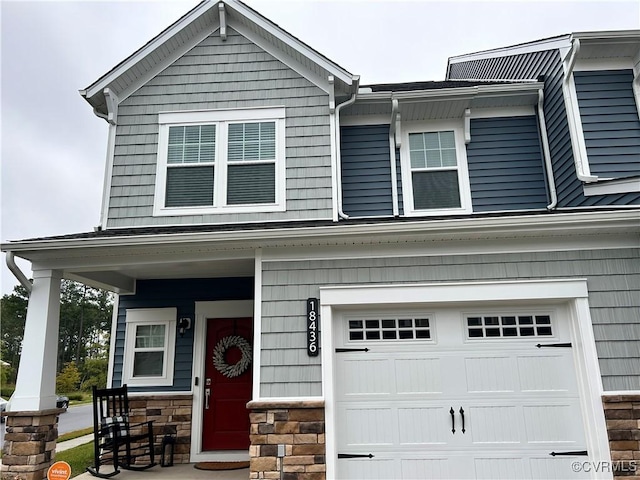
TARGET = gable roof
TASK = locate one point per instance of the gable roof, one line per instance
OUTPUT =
(192, 28)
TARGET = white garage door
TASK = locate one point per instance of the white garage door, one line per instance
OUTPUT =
(456, 394)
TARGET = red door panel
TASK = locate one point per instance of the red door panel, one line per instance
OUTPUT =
(226, 418)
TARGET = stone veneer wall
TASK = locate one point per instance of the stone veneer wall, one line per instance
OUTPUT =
(30, 443)
(622, 413)
(170, 414)
(299, 426)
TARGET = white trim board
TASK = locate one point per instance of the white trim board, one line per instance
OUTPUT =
(571, 292)
(205, 310)
(112, 340)
(596, 241)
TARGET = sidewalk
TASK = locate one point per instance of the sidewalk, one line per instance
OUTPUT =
(62, 446)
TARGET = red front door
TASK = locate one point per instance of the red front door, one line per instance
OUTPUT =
(227, 384)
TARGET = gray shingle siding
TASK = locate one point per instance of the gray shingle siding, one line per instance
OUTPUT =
(288, 371)
(610, 122)
(505, 164)
(220, 75)
(532, 66)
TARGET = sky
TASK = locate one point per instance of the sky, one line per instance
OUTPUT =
(53, 148)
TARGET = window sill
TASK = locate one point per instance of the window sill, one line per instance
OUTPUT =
(611, 187)
(148, 382)
(253, 208)
(437, 213)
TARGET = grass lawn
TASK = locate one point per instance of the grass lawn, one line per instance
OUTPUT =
(76, 434)
(79, 458)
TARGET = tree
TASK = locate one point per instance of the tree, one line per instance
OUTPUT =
(69, 379)
(13, 313)
(85, 324)
(94, 373)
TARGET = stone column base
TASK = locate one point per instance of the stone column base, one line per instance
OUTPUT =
(30, 444)
(622, 413)
(298, 427)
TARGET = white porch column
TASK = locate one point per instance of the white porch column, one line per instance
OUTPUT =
(36, 382)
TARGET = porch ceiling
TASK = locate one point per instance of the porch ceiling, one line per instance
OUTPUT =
(121, 279)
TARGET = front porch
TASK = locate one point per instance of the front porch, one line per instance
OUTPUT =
(184, 471)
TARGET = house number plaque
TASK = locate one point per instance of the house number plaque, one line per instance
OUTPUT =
(312, 327)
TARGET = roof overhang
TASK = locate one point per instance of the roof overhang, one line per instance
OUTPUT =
(447, 103)
(193, 27)
(598, 46)
(601, 44)
(117, 262)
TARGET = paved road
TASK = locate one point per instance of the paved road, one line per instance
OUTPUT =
(75, 418)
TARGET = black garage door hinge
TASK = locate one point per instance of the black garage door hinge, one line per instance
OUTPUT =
(579, 453)
(342, 350)
(560, 345)
(355, 455)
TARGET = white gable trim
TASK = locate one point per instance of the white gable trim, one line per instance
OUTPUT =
(146, 50)
(241, 9)
(278, 54)
(290, 40)
(166, 63)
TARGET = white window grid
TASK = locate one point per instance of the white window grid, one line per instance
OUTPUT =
(521, 325)
(222, 119)
(389, 329)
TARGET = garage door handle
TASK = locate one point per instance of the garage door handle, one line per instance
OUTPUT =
(453, 420)
(462, 415)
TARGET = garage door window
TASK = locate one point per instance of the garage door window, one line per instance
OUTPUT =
(497, 326)
(390, 329)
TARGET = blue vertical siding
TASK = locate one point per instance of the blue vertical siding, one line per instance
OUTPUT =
(181, 294)
(506, 164)
(531, 66)
(610, 122)
(366, 171)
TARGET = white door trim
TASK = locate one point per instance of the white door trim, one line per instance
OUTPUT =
(571, 292)
(204, 310)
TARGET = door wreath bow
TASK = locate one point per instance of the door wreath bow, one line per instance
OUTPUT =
(221, 348)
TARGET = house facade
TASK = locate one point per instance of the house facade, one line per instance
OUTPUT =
(339, 280)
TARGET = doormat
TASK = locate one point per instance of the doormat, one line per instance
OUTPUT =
(221, 465)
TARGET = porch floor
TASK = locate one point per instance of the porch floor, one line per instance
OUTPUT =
(184, 471)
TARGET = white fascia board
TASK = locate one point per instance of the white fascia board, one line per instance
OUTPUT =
(608, 35)
(455, 292)
(274, 51)
(535, 223)
(499, 90)
(611, 187)
(139, 55)
(530, 47)
(291, 41)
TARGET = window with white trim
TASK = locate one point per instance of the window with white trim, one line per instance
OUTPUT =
(150, 340)
(221, 161)
(435, 179)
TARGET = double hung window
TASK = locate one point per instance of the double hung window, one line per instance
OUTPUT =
(150, 346)
(220, 161)
(434, 170)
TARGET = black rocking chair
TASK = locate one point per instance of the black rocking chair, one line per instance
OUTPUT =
(116, 441)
